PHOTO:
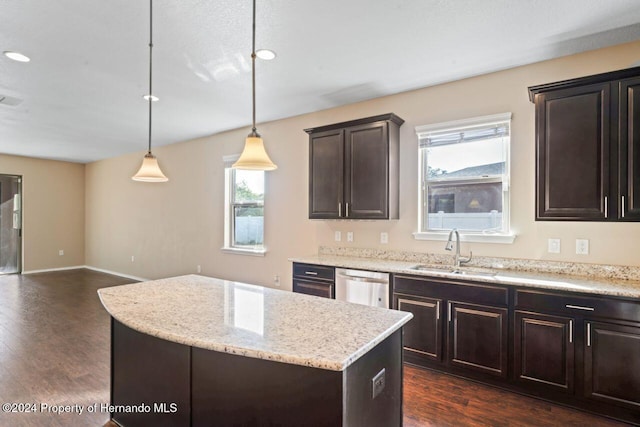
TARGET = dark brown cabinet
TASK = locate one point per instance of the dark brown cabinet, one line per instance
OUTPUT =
(629, 90)
(354, 169)
(612, 363)
(585, 347)
(544, 351)
(458, 325)
(423, 335)
(478, 338)
(314, 280)
(587, 160)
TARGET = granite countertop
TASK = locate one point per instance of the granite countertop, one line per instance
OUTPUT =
(552, 281)
(252, 321)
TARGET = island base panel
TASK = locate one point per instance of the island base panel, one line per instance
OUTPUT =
(223, 389)
(151, 374)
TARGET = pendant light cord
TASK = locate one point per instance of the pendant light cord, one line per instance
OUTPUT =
(253, 70)
(150, 67)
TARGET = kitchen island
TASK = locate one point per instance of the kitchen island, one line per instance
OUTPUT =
(194, 350)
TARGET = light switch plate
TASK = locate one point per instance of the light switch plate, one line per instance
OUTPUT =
(337, 236)
(554, 246)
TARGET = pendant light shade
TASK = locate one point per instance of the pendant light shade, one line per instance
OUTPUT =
(254, 156)
(150, 170)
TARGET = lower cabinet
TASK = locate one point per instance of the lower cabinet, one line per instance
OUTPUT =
(576, 349)
(317, 288)
(311, 279)
(478, 338)
(423, 335)
(544, 351)
(585, 348)
(458, 326)
(612, 363)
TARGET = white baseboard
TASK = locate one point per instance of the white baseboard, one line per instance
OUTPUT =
(115, 273)
(88, 267)
(46, 270)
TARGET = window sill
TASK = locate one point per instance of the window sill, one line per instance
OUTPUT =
(466, 237)
(242, 251)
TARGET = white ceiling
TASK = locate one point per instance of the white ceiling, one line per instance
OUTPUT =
(81, 94)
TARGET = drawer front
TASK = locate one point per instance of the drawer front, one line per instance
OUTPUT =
(311, 271)
(597, 306)
(319, 289)
(451, 290)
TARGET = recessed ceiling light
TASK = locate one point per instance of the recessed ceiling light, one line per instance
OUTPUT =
(265, 54)
(151, 97)
(16, 56)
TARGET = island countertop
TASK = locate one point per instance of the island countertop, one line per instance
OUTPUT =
(252, 321)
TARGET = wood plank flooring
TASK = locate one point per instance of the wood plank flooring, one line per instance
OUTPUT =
(54, 349)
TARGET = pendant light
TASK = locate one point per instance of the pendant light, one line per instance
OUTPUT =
(254, 156)
(150, 170)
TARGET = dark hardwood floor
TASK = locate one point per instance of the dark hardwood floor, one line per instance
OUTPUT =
(54, 349)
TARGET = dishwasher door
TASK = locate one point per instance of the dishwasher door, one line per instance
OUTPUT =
(362, 287)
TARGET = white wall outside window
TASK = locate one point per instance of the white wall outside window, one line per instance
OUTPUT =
(464, 179)
(244, 210)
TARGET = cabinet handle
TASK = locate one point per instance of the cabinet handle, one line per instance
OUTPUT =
(346, 210)
(588, 334)
(449, 315)
(570, 331)
(622, 207)
(580, 307)
(606, 207)
(437, 310)
(310, 273)
(340, 209)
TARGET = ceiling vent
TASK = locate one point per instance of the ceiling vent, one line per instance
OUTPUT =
(9, 100)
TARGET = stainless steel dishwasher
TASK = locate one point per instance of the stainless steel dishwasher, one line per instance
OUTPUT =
(362, 287)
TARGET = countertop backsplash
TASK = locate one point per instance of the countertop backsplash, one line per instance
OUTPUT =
(616, 272)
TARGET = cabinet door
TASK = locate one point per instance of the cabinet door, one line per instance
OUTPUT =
(478, 338)
(310, 287)
(612, 363)
(422, 336)
(326, 174)
(367, 171)
(572, 142)
(544, 351)
(629, 160)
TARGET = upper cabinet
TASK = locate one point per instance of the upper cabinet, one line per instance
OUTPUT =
(588, 148)
(354, 169)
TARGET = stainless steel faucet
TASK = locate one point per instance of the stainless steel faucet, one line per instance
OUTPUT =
(457, 260)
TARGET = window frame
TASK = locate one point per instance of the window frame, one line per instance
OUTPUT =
(229, 209)
(506, 235)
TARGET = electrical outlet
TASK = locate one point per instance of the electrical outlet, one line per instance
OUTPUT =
(349, 236)
(337, 236)
(384, 238)
(554, 246)
(61, 252)
(582, 246)
(378, 383)
(198, 269)
(133, 258)
(276, 280)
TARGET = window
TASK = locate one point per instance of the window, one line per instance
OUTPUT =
(244, 209)
(464, 178)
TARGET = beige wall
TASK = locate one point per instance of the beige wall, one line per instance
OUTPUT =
(53, 211)
(171, 228)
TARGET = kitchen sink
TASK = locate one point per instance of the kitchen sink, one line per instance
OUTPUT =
(463, 271)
